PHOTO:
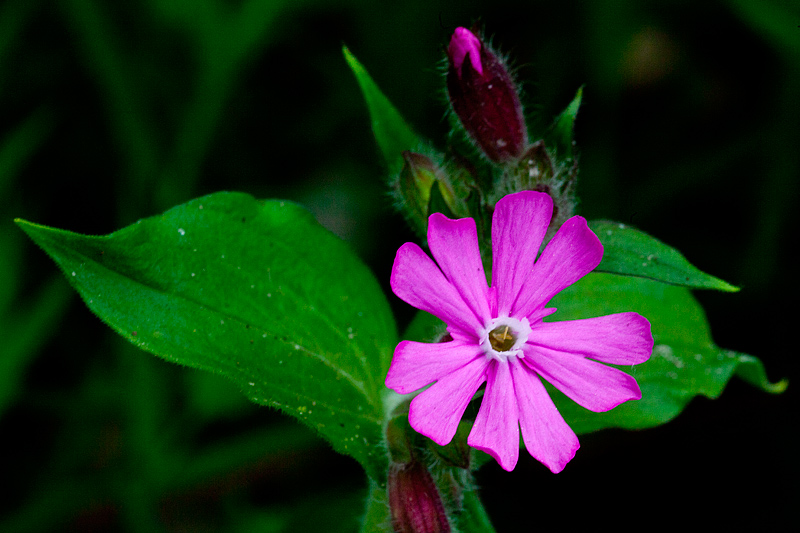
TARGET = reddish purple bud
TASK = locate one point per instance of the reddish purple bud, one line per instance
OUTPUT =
(414, 500)
(484, 98)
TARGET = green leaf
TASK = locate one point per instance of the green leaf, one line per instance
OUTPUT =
(256, 291)
(392, 133)
(685, 362)
(561, 134)
(631, 252)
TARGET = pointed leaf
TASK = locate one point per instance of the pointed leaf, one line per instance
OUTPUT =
(392, 133)
(631, 252)
(561, 135)
(256, 291)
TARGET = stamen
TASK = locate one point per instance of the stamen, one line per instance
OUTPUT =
(504, 337)
(501, 340)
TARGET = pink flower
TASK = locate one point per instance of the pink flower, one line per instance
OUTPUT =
(498, 335)
(463, 44)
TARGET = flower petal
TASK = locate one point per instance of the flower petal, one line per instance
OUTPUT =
(436, 411)
(454, 245)
(573, 252)
(519, 224)
(593, 385)
(417, 364)
(496, 429)
(620, 339)
(418, 281)
(547, 436)
(464, 43)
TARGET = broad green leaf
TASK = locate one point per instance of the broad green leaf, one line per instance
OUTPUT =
(392, 133)
(561, 134)
(256, 291)
(631, 252)
(685, 361)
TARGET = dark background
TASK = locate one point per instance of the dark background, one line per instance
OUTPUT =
(110, 112)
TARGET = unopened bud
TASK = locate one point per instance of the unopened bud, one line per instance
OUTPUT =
(535, 171)
(423, 188)
(414, 500)
(485, 98)
(415, 183)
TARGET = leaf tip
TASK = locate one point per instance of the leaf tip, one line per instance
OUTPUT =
(28, 227)
(352, 62)
(777, 388)
(725, 286)
(751, 369)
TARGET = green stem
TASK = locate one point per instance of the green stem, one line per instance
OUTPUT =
(376, 515)
(473, 518)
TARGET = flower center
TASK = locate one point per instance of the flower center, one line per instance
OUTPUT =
(504, 337)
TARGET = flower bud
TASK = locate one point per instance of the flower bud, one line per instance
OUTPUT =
(484, 98)
(414, 500)
(415, 183)
(535, 171)
(423, 188)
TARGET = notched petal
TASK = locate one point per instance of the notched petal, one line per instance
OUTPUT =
(519, 224)
(620, 339)
(454, 245)
(548, 438)
(592, 385)
(496, 428)
(436, 411)
(418, 281)
(417, 364)
(573, 252)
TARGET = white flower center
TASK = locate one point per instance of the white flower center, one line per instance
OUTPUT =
(504, 337)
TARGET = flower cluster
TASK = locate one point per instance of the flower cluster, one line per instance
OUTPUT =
(499, 336)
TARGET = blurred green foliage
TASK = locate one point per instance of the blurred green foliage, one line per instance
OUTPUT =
(110, 112)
